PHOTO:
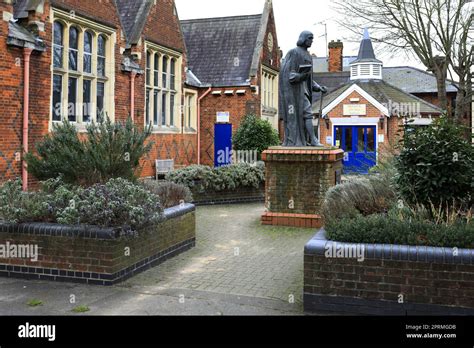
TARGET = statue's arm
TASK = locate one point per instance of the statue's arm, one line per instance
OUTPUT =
(297, 77)
(319, 88)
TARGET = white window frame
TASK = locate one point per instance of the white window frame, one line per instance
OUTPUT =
(190, 111)
(164, 90)
(83, 25)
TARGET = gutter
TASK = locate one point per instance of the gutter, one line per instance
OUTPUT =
(26, 104)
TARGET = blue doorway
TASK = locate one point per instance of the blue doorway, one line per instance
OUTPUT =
(360, 147)
(222, 144)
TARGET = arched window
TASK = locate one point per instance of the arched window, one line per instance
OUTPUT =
(58, 45)
(157, 71)
(172, 74)
(101, 42)
(73, 48)
(88, 52)
(165, 71)
(148, 68)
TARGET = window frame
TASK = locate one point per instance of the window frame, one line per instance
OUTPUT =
(84, 27)
(168, 121)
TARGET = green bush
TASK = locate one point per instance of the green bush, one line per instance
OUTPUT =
(255, 134)
(170, 194)
(203, 178)
(106, 151)
(360, 196)
(17, 206)
(118, 203)
(436, 165)
(391, 228)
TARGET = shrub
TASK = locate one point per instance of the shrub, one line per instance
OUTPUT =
(118, 203)
(170, 194)
(202, 178)
(392, 229)
(17, 206)
(255, 134)
(436, 165)
(106, 151)
(360, 196)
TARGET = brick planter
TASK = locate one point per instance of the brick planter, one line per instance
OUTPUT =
(296, 181)
(93, 255)
(392, 280)
(240, 195)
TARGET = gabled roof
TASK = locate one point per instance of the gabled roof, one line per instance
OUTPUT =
(133, 15)
(413, 80)
(382, 92)
(331, 80)
(408, 79)
(226, 51)
(220, 50)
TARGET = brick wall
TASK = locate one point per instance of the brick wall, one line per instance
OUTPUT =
(162, 27)
(96, 256)
(11, 103)
(238, 106)
(391, 280)
(338, 112)
(239, 195)
(271, 58)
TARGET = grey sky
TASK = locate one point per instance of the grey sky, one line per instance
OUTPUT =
(292, 17)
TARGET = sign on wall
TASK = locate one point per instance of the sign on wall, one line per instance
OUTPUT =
(355, 110)
(223, 117)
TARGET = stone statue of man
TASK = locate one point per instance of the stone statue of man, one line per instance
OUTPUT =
(296, 94)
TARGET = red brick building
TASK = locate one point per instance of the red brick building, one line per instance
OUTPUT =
(365, 108)
(85, 58)
(234, 63)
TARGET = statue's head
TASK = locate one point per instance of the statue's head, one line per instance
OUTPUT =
(306, 39)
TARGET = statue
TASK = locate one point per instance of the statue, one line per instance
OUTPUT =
(295, 99)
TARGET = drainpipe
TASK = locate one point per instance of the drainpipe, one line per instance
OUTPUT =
(26, 106)
(199, 123)
(132, 95)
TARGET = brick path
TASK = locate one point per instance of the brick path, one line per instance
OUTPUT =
(235, 255)
(238, 267)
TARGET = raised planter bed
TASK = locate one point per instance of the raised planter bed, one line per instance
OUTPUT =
(240, 195)
(392, 279)
(93, 255)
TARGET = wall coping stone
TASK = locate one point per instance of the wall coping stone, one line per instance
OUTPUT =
(82, 231)
(318, 244)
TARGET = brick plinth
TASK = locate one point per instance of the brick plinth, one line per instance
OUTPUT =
(296, 181)
(292, 220)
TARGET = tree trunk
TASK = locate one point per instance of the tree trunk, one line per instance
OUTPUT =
(441, 72)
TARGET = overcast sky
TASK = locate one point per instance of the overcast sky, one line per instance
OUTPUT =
(292, 17)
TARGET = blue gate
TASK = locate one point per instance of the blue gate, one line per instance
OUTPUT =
(222, 144)
(360, 147)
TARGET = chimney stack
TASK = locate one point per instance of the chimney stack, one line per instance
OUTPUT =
(335, 61)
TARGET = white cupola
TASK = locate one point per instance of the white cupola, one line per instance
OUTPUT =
(366, 66)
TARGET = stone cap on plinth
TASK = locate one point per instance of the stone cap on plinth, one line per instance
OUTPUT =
(303, 154)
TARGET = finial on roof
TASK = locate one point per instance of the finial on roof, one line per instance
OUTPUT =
(366, 34)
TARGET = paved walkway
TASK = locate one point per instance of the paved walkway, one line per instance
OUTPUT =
(237, 268)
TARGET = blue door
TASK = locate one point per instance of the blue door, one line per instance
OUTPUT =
(222, 144)
(360, 147)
